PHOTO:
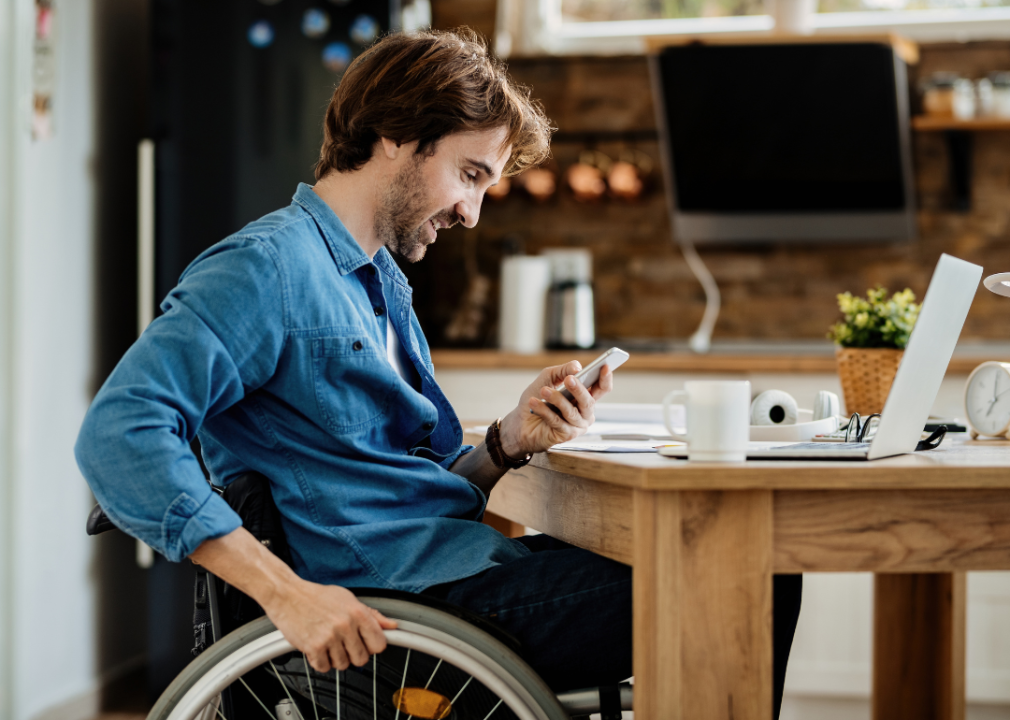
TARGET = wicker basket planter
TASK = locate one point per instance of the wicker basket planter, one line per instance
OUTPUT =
(866, 375)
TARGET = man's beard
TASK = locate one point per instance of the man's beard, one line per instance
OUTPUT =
(402, 214)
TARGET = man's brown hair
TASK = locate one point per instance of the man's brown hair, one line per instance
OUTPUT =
(423, 86)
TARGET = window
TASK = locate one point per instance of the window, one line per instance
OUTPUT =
(616, 11)
(622, 26)
(833, 6)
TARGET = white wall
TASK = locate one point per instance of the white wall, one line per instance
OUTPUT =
(48, 328)
(7, 94)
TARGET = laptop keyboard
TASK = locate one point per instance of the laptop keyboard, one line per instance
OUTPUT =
(825, 447)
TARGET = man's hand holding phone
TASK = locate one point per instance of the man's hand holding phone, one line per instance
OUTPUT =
(558, 406)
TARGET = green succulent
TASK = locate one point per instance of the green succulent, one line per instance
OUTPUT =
(876, 321)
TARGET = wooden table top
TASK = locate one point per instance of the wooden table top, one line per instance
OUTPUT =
(958, 463)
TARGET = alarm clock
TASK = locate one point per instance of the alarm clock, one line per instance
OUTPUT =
(987, 400)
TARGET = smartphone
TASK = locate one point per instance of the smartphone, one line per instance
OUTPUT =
(590, 374)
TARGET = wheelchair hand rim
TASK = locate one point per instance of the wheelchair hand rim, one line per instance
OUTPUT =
(409, 635)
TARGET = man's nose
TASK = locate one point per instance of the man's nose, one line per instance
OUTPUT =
(469, 210)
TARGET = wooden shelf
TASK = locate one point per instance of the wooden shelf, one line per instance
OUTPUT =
(959, 135)
(930, 123)
(660, 362)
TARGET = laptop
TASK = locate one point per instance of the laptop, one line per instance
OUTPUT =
(916, 383)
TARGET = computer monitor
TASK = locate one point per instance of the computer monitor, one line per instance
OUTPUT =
(805, 141)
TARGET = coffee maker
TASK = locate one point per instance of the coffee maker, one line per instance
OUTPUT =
(570, 315)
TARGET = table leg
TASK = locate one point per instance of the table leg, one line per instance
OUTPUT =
(703, 605)
(505, 527)
(918, 650)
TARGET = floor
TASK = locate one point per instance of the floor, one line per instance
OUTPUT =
(126, 699)
(799, 707)
(795, 708)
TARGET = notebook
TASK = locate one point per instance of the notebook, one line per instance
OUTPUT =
(916, 383)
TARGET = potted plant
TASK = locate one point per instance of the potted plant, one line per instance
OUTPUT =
(871, 339)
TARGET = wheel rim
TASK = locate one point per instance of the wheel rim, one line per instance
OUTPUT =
(409, 636)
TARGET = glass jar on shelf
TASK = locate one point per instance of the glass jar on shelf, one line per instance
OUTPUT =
(938, 94)
(984, 95)
(963, 103)
(1000, 93)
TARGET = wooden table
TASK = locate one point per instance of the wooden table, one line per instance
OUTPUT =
(704, 540)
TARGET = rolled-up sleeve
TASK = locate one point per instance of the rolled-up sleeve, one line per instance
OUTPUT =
(448, 461)
(220, 337)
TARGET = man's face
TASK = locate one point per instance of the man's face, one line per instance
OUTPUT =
(434, 191)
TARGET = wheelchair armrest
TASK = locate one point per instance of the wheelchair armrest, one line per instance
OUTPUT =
(98, 521)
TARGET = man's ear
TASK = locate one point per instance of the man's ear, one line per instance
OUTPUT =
(390, 148)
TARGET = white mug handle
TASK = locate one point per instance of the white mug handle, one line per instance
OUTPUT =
(667, 401)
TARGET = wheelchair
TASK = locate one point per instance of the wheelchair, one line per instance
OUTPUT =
(442, 662)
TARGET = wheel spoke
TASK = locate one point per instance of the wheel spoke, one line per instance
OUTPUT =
(217, 707)
(500, 701)
(256, 697)
(315, 708)
(403, 682)
(286, 691)
(453, 701)
(433, 674)
(375, 698)
(336, 678)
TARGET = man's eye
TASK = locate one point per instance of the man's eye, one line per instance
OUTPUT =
(471, 178)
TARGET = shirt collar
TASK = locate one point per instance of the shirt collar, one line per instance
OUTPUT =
(388, 265)
(346, 252)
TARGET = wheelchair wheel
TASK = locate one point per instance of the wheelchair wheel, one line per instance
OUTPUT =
(435, 666)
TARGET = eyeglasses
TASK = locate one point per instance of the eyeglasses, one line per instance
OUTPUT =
(934, 440)
(863, 431)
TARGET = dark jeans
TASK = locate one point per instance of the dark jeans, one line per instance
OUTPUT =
(571, 610)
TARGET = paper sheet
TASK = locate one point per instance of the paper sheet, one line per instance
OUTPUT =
(630, 431)
(595, 444)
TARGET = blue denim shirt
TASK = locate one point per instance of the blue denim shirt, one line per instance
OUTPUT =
(272, 350)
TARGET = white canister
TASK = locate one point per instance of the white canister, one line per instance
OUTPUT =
(792, 17)
(524, 283)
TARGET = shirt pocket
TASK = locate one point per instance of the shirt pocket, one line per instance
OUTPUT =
(353, 382)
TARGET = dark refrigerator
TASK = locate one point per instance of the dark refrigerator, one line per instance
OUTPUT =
(237, 93)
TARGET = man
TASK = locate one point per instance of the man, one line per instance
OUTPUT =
(291, 349)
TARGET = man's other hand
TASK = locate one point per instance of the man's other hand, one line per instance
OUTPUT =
(534, 426)
(329, 624)
(326, 622)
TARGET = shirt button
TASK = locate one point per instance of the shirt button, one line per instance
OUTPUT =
(371, 270)
(357, 345)
(429, 426)
(378, 310)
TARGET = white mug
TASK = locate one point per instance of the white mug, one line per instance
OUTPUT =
(718, 419)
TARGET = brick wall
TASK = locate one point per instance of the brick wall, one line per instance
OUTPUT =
(644, 289)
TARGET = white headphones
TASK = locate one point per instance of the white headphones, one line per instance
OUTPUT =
(777, 407)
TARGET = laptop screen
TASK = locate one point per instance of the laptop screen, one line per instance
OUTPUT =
(925, 361)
